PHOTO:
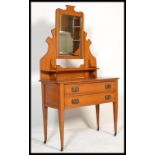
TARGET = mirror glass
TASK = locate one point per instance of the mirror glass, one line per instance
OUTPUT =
(70, 63)
(70, 35)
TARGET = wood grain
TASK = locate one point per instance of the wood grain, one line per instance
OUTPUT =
(58, 82)
(93, 87)
(45, 112)
(97, 115)
(85, 100)
(61, 114)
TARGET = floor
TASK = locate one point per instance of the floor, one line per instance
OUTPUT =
(80, 140)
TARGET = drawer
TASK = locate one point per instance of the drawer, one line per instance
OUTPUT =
(89, 87)
(83, 100)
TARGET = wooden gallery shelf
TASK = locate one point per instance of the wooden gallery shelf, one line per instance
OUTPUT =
(70, 70)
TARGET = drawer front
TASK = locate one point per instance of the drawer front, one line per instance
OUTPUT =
(83, 100)
(89, 87)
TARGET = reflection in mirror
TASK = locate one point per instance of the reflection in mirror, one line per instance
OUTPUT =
(70, 63)
(70, 35)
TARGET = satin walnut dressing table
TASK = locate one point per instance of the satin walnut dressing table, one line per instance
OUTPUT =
(72, 87)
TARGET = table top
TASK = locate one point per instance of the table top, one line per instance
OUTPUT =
(80, 80)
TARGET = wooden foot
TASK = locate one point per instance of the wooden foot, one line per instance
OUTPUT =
(62, 148)
(44, 141)
(115, 133)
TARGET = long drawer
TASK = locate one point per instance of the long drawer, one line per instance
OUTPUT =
(83, 100)
(89, 87)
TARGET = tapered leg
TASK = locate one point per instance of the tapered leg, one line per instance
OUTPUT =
(61, 126)
(115, 112)
(45, 113)
(45, 118)
(61, 115)
(97, 115)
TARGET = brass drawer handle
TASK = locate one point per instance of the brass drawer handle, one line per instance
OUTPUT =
(75, 101)
(107, 97)
(75, 89)
(108, 86)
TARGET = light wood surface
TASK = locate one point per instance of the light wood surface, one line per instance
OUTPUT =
(91, 99)
(45, 112)
(98, 115)
(94, 87)
(67, 88)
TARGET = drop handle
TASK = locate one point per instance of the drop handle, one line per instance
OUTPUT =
(107, 86)
(75, 89)
(107, 97)
(75, 101)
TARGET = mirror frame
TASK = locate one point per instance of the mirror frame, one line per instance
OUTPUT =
(70, 12)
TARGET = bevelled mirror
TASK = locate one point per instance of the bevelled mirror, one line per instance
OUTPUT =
(69, 33)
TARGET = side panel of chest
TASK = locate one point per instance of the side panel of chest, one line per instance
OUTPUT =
(52, 95)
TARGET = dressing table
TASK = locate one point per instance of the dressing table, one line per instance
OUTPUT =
(72, 87)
